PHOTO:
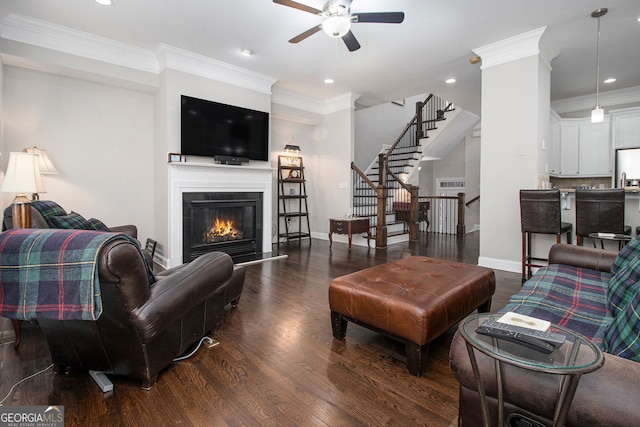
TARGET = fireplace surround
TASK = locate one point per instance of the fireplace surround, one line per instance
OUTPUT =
(195, 177)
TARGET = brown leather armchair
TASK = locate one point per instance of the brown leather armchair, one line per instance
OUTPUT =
(144, 327)
(39, 221)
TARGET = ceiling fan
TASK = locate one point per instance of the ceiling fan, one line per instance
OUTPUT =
(338, 19)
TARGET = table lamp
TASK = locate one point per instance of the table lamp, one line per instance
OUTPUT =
(22, 177)
(293, 153)
(45, 164)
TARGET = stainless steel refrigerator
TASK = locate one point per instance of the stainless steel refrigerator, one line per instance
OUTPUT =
(628, 163)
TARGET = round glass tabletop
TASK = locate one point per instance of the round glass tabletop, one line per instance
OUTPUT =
(577, 355)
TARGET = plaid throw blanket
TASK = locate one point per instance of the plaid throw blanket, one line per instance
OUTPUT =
(51, 274)
(572, 297)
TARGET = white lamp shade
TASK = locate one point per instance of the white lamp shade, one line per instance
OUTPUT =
(336, 26)
(597, 115)
(46, 167)
(23, 174)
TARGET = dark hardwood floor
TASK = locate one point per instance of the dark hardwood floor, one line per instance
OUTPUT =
(277, 364)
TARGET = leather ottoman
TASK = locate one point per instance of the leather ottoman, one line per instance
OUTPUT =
(413, 300)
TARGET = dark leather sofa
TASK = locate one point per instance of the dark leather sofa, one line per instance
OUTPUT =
(144, 327)
(608, 396)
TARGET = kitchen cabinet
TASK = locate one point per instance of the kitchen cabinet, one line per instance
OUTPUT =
(585, 149)
(595, 149)
(569, 148)
(626, 127)
(553, 147)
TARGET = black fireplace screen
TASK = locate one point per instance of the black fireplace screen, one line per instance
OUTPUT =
(227, 222)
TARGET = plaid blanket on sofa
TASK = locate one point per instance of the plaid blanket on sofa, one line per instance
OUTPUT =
(51, 274)
(572, 297)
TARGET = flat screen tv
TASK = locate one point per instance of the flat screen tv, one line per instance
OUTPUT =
(223, 131)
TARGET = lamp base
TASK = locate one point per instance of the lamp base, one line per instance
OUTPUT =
(21, 212)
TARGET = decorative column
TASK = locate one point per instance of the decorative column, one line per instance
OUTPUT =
(515, 124)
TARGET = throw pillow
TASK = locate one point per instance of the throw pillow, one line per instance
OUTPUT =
(48, 210)
(97, 225)
(623, 285)
(73, 221)
(622, 337)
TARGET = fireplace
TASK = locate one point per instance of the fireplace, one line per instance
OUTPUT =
(229, 222)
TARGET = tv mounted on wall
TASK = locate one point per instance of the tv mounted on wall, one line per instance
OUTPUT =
(227, 133)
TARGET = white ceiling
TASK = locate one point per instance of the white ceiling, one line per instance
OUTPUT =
(434, 42)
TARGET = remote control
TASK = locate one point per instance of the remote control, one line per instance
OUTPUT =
(518, 338)
(101, 379)
(555, 340)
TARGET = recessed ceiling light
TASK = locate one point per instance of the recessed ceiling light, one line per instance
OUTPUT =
(450, 81)
(328, 80)
(246, 52)
(104, 2)
(610, 80)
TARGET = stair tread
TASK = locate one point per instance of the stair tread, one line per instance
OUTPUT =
(392, 234)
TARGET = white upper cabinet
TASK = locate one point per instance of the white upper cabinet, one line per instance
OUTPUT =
(595, 149)
(569, 148)
(553, 158)
(585, 148)
(626, 127)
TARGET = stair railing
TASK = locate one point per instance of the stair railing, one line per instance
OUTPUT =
(390, 185)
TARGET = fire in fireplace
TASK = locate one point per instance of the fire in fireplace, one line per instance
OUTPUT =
(227, 222)
(222, 230)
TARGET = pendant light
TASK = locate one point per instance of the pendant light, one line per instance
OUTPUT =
(597, 114)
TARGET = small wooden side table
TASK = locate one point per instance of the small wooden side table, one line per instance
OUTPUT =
(349, 226)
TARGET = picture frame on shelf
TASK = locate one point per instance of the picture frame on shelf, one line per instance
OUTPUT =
(176, 158)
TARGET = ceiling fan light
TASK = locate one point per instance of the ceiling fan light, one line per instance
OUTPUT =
(336, 26)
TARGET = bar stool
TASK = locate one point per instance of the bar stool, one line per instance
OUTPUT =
(540, 214)
(600, 211)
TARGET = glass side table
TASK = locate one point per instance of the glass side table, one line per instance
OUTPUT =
(577, 356)
(622, 239)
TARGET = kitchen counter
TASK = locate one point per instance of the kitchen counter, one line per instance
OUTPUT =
(626, 190)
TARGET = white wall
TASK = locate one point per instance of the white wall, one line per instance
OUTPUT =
(452, 166)
(99, 137)
(331, 165)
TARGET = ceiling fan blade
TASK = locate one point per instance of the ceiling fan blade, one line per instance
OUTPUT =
(302, 36)
(299, 6)
(351, 42)
(380, 17)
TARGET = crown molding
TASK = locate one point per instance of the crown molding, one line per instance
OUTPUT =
(312, 105)
(173, 58)
(607, 99)
(62, 39)
(517, 47)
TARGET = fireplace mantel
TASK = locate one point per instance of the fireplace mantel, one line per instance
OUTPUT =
(186, 177)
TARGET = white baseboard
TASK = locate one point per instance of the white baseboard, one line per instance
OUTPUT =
(500, 264)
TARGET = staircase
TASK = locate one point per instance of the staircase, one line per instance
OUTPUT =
(381, 192)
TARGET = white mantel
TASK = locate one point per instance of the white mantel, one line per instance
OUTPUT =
(206, 177)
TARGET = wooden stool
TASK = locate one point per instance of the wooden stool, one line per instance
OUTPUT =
(539, 213)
